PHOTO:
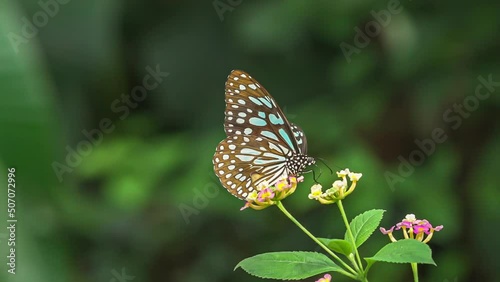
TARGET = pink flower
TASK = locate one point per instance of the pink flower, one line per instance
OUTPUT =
(265, 194)
(413, 228)
(326, 278)
(385, 232)
(404, 223)
(420, 226)
(283, 184)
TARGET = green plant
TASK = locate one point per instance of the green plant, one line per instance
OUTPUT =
(299, 265)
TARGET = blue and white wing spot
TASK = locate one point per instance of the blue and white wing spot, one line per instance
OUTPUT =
(276, 119)
(257, 121)
(255, 101)
(300, 138)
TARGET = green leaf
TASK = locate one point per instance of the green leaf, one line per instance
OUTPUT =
(404, 251)
(363, 225)
(28, 111)
(338, 245)
(288, 265)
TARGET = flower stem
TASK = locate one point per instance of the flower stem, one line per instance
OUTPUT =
(282, 208)
(414, 268)
(349, 231)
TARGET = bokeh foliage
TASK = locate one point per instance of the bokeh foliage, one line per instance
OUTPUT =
(120, 207)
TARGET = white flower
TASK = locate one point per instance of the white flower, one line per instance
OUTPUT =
(315, 192)
(339, 184)
(355, 176)
(343, 172)
(410, 217)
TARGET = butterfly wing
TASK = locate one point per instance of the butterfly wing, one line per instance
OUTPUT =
(243, 162)
(251, 110)
(300, 138)
(260, 140)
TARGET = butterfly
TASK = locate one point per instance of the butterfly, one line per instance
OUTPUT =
(261, 145)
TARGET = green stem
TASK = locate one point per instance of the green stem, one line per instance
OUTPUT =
(349, 231)
(414, 268)
(282, 208)
(352, 259)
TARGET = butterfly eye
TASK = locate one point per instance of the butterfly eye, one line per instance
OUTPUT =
(261, 144)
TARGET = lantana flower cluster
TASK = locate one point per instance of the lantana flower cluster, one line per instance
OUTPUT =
(419, 229)
(339, 190)
(269, 194)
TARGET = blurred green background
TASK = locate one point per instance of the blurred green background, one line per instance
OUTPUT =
(143, 203)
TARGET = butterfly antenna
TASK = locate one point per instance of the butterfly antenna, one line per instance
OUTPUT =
(314, 177)
(319, 175)
(324, 162)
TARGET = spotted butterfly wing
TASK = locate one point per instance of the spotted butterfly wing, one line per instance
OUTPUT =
(250, 110)
(261, 144)
(241, 160)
